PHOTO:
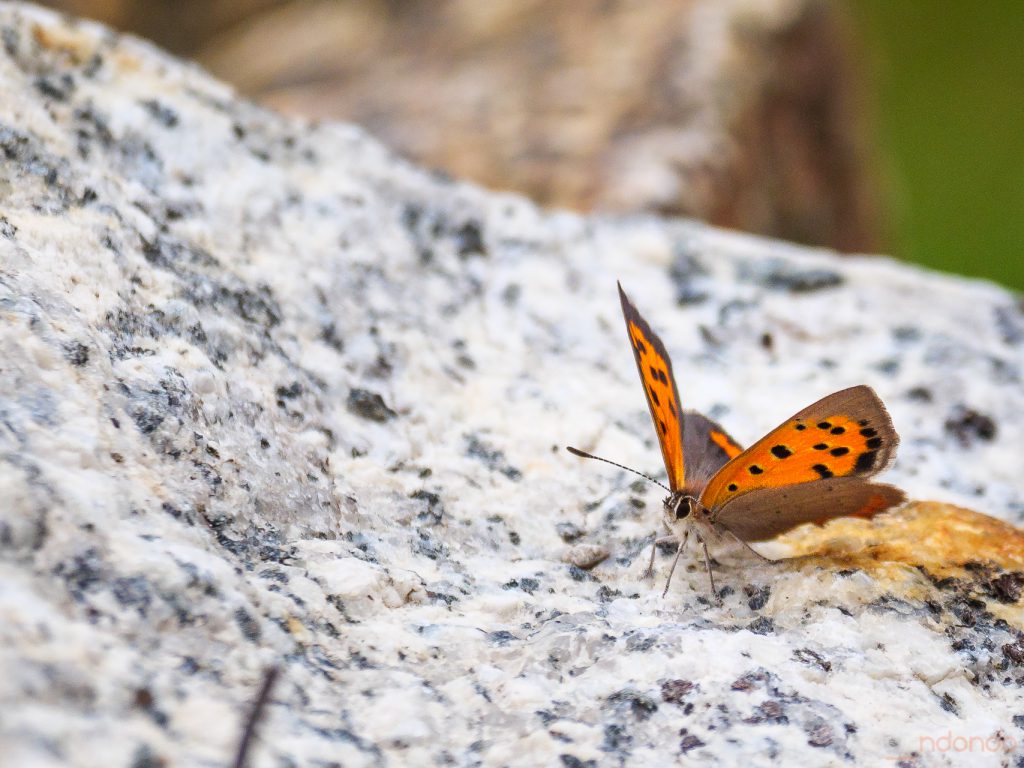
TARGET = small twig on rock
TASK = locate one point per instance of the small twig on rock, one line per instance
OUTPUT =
(255, 714)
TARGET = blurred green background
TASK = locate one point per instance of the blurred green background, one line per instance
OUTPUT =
(947, 82)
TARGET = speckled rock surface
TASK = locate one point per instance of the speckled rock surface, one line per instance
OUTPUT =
(270, 395)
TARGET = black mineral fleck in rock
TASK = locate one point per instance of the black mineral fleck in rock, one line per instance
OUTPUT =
(688, 742)
(616, 738)
(434, 511)
(76, 353)
(1010, 322)
(637, 643)
(58, 88)
(920, 395)
(501, 637)
(569, 532)
(675, 691)
(640, 705)
(290, 392)
(969, 426)
(758, 596)
(525, 584)
(762, 625)
(247, 624)
(144, 757)
(492, 457)
(770, 711)
(163, 114)
(469, 241)
(948, 703)
(369, 405)
(780, 275)
(685, 272)
(820, 736)
(571, 761)
(1007, 587)
(809, 657)
(1014, 651)
(132, 592)
(578, 574)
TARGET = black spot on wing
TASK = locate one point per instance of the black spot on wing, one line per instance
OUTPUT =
(841, 451)
(733, 487)
(874, 442)
(653, 394)
(801, 427)
(662, 426)
(838, 430)
(868, 432)
(754, 469)
(821, 447)
(781, 452)
(824, 425)
(865, 462)
(822, 470)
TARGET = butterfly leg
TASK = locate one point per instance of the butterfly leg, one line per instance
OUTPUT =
(649, 573)
(719, 529)
(679, 551)
(711, 575)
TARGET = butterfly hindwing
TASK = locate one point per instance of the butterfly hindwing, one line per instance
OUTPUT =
(846, 434)
(655, 369)
(707, 448)
(769, 512)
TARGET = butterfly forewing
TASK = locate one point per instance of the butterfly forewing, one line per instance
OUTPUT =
(846, 434)
(768, 512)
(655, 369)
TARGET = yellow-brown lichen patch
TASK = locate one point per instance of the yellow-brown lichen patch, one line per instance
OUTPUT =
(940, 539)
(77, 44)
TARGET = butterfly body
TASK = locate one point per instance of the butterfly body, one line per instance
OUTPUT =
(811, 468)
(709, 448)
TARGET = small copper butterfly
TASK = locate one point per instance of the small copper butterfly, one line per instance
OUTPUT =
(811, 468)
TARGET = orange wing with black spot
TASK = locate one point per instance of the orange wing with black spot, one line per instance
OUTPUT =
(847, 434)
(655, 369)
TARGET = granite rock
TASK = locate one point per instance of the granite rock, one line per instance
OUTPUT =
(272, 396)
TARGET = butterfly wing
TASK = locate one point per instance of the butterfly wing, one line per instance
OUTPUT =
(707, 448)
(846, 434)
(767, 512)
(655, 369)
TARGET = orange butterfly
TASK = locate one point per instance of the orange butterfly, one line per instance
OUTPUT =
(811, 468)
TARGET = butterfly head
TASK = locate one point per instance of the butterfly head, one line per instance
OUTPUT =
(681, 507)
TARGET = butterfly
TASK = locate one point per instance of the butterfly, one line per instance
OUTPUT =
(811, 468)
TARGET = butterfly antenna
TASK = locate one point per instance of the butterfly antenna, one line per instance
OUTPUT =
(585, 455)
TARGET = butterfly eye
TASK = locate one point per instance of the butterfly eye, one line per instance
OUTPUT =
(681, 507)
